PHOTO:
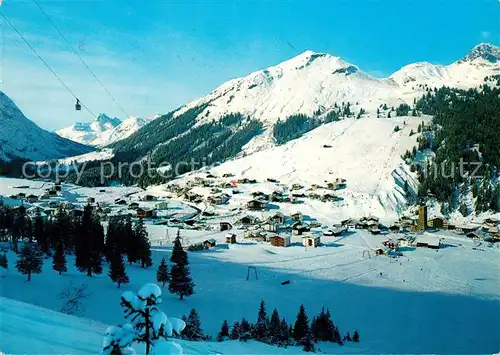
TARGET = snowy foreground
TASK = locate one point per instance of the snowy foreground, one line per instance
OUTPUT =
(428, 301)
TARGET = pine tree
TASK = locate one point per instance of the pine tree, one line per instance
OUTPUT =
(30, 260)
(59, 259)
(162, 275)
(245, 330)
(179, 255)
(307, 344)
(144, 247)
(117, 271)
(260, 331)
(89, 243)
(355, 337)
(131, 245)
(224, 332)
(284, 335)
(274, 329)
(193, 327)
(301, 327)
(4, 263)
(235, 331)
(180, 281)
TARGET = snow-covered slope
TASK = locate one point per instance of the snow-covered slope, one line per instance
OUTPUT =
(21, 138)
(483, 60)
(313, 81)
(103, 130)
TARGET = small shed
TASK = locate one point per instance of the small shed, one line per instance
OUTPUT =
(209, 243)
(231, 238)
(311, 241)
(225, 226)
(280, 241)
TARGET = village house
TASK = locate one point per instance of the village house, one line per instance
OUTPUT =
(209, 243)
(257, 205)
(389, 243)
(430, 242)
(133, 206)
(278, 218)
(52, 193)
(227, 175)
(296, 187)
(311, 241)
(120, 201)
(491, 222)
(297, 217)
(231, 238)
(379, 251)
(438, 223)
(225, 226)
(248, 220)
(90, 199)
(280, 240)
(21, 195)
(298, 228)
(218, 199)
(337, 232)
(144, 213)
(32, 198)
(270, 226)
(473, 236)
(149, 198)
(193, 197)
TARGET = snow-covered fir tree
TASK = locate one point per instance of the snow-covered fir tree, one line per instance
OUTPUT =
(30, 260)
(162, 275)
(260, 330)
(224, 332)
(150, 324)
(180, 278)
(117, 271)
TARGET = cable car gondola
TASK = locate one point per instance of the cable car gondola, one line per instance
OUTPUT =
(78, 107)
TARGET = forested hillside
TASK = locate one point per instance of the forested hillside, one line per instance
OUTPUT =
(466, 127)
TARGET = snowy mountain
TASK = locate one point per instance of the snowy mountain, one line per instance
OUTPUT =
(317, 81)
(21, 138)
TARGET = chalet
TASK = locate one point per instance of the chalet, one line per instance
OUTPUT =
(248, 220)
(297, 216)
(473, 236)
(192, 197)
(345, 222)
(210, 176)
(280, 241)
(272, 180)
(133, 206)
(227, 175)
(257, 205)
(403, 242)
(208, 213)
(375, 231)
(225, 226)
(120, 201)
(163, 205)
(149, 198)
(491, 222)
(311, 241)
(299, 228)
(218, 199)
(438, 222)
(32, 198)
(428, 242)
(466, 229)
(52, 193)
(337, 232)
(209, 243)
(298, 195)
(235, 192)
(394, 228)
(278, 218)
(21, 195)
(144, 213)
(297, 187)
(231, 238)
(379, 251)
(270, 226)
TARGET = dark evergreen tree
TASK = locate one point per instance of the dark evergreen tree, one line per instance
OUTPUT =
(355, 337)
(235, 331)
(179, 255)
(193, 327)
(245, 330)
(307, 344)
(30, 260)
(301, 328)
(89, 243)
(117, 271)
(162, 275)
(180, 281)
(40, 235)
(131, 245)
(144, 247)
(224, 332)
(59, 259)
(260, 330)
(274, 329)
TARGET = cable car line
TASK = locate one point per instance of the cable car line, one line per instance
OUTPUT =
(81, 59)
(45, 63)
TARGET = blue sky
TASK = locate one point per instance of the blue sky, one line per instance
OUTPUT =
(154, 56)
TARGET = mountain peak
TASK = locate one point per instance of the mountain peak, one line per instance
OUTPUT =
(486, 51)
(105, 119)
